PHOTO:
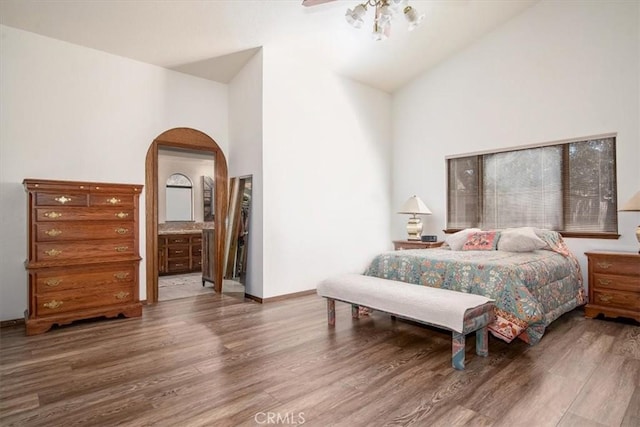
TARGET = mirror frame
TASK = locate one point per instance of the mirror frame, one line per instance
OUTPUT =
(189, 139)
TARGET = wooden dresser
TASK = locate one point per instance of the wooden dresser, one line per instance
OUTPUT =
(179, 253)
(82, 252)
(614, 284)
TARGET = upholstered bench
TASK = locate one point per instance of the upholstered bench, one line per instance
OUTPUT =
(457, 312)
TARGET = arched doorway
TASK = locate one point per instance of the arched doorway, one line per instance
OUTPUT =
(195, 140)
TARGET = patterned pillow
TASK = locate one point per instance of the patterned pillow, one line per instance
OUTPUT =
(456, 240)
(482, 241)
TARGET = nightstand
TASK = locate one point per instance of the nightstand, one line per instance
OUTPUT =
(399, 245)
(614, 284)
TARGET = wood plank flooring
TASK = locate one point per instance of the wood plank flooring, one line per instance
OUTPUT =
(214, 360)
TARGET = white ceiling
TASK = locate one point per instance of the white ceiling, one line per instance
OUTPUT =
(214, 38)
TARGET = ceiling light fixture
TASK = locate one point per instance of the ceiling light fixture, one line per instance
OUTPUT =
(385, 11)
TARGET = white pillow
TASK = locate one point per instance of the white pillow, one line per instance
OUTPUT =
(522, 239)
(456, 240)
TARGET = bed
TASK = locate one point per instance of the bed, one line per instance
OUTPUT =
(531, 288)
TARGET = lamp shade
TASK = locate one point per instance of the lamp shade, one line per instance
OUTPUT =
(633, 204)
(414, 206)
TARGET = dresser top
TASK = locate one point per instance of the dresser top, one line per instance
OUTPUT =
(49, 184)
(613, 253)
(175, 232)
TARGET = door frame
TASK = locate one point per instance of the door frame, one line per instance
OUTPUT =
(190, 139)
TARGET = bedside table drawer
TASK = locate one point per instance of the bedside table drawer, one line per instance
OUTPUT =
(626, 300)
(620, 283)
(612, 267)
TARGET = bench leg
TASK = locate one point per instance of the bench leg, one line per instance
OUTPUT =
(457, 350)
(355, 311)
(331, 311)
(482, 342)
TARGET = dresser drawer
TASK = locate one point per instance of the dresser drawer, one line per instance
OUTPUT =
(111, 200)
(178, 265)
(178, 252)
(86, 249)
(178, 240)
(54, 303)
(196, 251)
(84, 214)
(53, 232)
(79, 278)
(627, 300)
(60, 199)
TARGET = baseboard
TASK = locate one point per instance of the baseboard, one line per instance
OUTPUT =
(13, 322)
(253, 298)
(280, 297)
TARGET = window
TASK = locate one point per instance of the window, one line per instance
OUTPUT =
(179, 196)
(569, 187)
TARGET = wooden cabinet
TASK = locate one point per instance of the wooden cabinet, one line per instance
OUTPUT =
(614, 284)
(399, 245)
(208, 256)
(83, 253)
(179, 253)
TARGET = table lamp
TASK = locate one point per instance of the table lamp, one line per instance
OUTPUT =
(633, 205)
(414, 206)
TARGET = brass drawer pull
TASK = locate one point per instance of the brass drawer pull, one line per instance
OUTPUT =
(121, 275)
(604, 265)
(122, 215)
(121, 248)
(179, 265)
(53, 252)
(178, 252)
(121, 295)
(605, 298)
(53, 282)
(62, 199)
(52, 215)
(604, 281)
(121, 230)
(113, 201)
(53, 304)
(53, 232)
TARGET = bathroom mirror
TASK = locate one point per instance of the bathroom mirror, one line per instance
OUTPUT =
(179, 194)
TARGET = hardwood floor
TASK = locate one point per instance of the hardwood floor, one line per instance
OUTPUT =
(213, 360)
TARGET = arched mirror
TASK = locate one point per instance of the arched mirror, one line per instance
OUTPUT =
(237, 241)
(179, 194)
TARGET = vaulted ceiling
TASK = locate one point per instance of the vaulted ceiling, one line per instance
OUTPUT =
(214, 38)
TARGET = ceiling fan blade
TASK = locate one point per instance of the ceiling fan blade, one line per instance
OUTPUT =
(309, 3)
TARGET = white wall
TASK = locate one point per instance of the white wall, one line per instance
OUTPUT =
(245, 158)
(72, 113)
(559, 70)
(194, 165)
(326, 180)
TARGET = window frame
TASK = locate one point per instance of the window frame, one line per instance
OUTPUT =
(565, 172)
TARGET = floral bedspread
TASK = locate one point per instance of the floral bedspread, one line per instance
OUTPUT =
(531, 289)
